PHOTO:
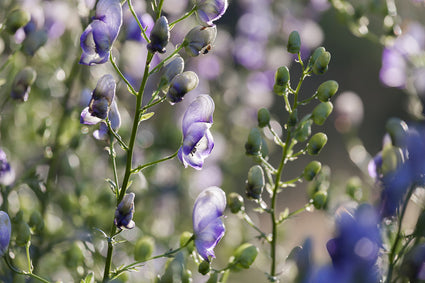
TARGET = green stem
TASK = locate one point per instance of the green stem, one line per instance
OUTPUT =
(188, 14)
(150, 104)
(132, 90)
(276, 137)
(120, 141)
(27, 251)
(141, 167)
(114, 166)
(160, 64)
(130, 6)
(159, 9)
(30, 274)
(252, 224)
(302, 209)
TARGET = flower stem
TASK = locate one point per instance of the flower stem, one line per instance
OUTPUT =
(130, 6)
(188, 14)
(141, 167)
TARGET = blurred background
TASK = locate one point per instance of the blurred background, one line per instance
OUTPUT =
(45, 142)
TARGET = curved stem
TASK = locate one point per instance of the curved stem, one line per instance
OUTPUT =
(188, 14)
(30, 274)
(141, 167)
(252, 224)
(132, 90)
(160, 64)
(130, 6)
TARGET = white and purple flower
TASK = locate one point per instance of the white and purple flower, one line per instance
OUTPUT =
(7, 174)
(208, 11)
(208, 227)
(5, 232)
(197, 139)
(97, 39)
(124, 212)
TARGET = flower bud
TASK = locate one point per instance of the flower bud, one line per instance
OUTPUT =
(254, 142)
(316, 143)
(294, 42)
(293, 118)
(16, 19)
(244, 256)
(255, 182)
(160, 35)
(7, 174)
(321, 64)
(354, 188)
(311, 170)
(5, 232)
(173, 68)
(263, 117)
(144, 248)
(316, 54)
(326, 90)
(22, 84)
(303, 131)
(321, 112)
(199, 39)
(397, 129)
(184, 238)
(23, 234)
(392, 158)
(204, 267)
(36, 221)
(124, 212)
(182, 84)
(281, 79)
(320, 199)
(33, 41)
(235, 202)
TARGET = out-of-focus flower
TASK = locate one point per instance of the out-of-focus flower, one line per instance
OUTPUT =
(115, 120)
(124, 212)
(208, 227)
(97, 39)
(101, 101)
(355, 249)
(182, 84)
(349, 111)
(199, 40)
(208, 11)
(197, 139)
(132, 29)
(22, 83)
(413, 264)
(160, 35)
(7, 174)
(5, 232)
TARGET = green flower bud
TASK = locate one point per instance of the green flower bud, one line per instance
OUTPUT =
(184, 238)
(321, 112)
(392, 158)
(23, 234)
(354, 188)
(397, 129)
(316, 143)
(293, 118)
(294, 43)
(144, 248)
(303, 131)
(204, 267)
(326, 90)
(263, 117)
(16, 19)
(22, 84)
(254, 142)
(244, 256)
(316, 54)
(320, 199)
(321, 64)
(235, 202)
(199, 40)
(311, 170)
(213, 278)
(255, 182)
(36, 221)
(281, 79)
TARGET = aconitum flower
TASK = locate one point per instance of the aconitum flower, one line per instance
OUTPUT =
(124, 212)
(5, 232)
(160, 35)
(97, 39)
(101, 101)
(208, 227)
(208, 11)
(114, 118)
(7, 174)
(197, 139)
(199, 40)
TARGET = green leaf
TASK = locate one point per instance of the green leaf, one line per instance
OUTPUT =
(146, 116)
(89, 278)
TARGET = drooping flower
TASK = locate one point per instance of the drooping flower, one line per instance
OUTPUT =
(5, 232)
(101, 101)
(124, 212)
(160, 35)
(98, 37)
(115, 120)
(197, 138)
(7, 174)
(199, 40)
(208, 227)
(208, 11)
(180, 85)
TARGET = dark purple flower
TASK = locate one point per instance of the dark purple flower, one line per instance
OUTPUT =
(208, 227)
(124, 212)
(355, 249)
(160, 35)
(197, 138)
(180, 85)
(5, 232)
(7, 174)
(208, 11)
(97, 39)
(100, 103)
(131, 26)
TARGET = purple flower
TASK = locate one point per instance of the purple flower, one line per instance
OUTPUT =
(197, 139)
(101, 101)
(5, 231)
(115, 120)
(208, 11)
(124, 212)
(96, 41)
(160, 35)
(7, 174)
(208, 227)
